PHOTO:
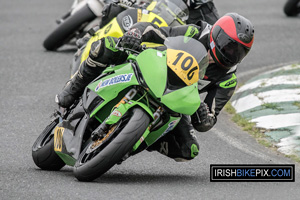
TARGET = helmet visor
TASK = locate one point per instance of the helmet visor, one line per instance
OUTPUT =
(229, 51)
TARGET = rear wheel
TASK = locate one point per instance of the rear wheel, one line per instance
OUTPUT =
(43, 153)
(100, 155)
(67, 29)
(292, 7)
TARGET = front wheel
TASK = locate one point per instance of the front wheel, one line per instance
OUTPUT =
(100, 155)
(43, 153)
(67, 30)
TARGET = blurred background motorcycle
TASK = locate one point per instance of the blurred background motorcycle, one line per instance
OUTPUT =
(83, 15)
(292, 8)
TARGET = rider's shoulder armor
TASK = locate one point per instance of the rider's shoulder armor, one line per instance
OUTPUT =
(127, 18)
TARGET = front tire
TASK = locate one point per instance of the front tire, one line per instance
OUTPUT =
(67, 29)
(43, 153)
(92, 163)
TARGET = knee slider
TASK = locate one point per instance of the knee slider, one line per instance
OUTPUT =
(194, 150)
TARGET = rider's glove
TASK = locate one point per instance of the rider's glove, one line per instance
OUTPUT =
(132, 39)
(203, 120)
(127, 2)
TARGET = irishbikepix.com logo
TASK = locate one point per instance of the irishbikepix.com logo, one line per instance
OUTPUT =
(238, 173)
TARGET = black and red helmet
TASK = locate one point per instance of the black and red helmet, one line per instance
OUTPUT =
(231, 38)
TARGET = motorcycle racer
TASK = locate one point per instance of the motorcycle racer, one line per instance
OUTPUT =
(204, 10)
(199, 10)
(228, 41)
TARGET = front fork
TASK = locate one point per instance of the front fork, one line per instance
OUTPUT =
(118, 111)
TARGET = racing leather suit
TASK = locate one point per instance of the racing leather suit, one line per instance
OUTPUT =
(202, 10)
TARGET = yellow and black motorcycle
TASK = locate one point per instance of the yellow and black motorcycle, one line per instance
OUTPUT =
(159, 12)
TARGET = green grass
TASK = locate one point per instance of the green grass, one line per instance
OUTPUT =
(294, 158)
(296, 103)
(250, 127)
(257, 133)
(272, 106)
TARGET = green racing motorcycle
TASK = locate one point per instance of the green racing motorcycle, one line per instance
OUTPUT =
(124, 110)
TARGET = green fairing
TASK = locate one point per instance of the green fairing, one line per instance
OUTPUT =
(152, 64)
(139, 142)
(123, 108)
(113, 68)
(69, 160)
(110, 91)
(185, 100)
(154, 135)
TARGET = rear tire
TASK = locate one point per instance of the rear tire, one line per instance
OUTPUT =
(43, 153)
(292, 8)
(67, 29)
(92, 164)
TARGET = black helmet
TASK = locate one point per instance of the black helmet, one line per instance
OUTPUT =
(195, 3)
(231, 38)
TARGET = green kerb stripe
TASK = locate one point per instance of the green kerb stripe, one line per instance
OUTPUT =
(276, 135)
(271, 109)
(292, 71)
(264, 89)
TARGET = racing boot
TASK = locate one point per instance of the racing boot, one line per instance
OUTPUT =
(102, 51)
(180, 144)
(75, 86)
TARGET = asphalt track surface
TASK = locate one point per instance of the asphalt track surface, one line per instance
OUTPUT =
(30, 77)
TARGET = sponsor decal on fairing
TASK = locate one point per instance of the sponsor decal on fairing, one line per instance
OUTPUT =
(123, 78)
(117, 113)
